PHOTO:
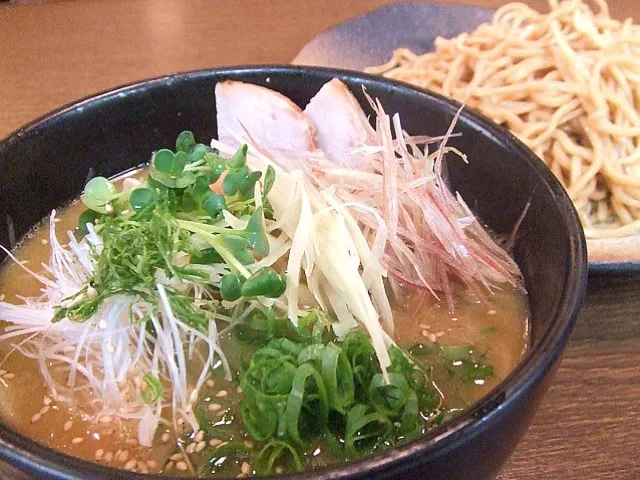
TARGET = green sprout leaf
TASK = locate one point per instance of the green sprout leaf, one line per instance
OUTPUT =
(98, 193)
(157, 178)
(231, 287)
(141, 198)
(255, 234)
(265, 282)
(214, 205)
(247, 185)
(239, 158)
(88, 216)
(197, 153)
(268, 181)
(185, 141)
(216, 163)
(169, 164)
(233, 181)
(238, 248)
(200, 188)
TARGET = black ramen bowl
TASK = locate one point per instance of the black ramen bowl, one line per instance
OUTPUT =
(46, 164)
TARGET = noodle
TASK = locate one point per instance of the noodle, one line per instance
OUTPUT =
(567, 83)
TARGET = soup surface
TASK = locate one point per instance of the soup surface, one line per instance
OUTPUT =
(496, 328)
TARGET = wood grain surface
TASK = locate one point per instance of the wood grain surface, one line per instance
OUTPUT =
(55, 52)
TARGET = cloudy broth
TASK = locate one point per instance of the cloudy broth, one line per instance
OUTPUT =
(496, 329)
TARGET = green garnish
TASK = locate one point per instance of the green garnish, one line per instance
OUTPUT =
(302, 385)
(462, 362)
(170, 225)
(153, 390)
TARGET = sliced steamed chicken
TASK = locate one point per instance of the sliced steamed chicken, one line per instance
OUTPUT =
(341, 124)
(265, 118)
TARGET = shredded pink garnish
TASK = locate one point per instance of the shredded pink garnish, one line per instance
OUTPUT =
(433, 238)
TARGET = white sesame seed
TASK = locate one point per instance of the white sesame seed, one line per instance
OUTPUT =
(190, 448)
(220, 413)
(123, 455)
(142, 466)
(77, 440)
(1, 296)
(131, 464)
(67, 425)
(44, 409)
(199, 436)
(210, 383)
(9, 376)
(182, 466)
(176, 457)
(491, 312)
(245, 468)
(35, 418)
(44, 241)
(439, 334)
(214, 406)
(425, 327)
(248, 444)
(47, 400)
(108, 457)
(239, 389)
(425, 334)
(131, 441)
(214, 442)
(102, 324)
(2, 372)
(433, 338)
(279, 470)
(152, 464)
(221, 394)
(241, 475)
(106, 419)
(99, 453)
(200, 446)
(169, 467)
(165, 437)
(110, 347)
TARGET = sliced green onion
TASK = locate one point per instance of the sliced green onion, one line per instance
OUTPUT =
(307, 408)
(154, 389)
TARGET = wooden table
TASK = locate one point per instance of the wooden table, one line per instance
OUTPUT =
(56, 52)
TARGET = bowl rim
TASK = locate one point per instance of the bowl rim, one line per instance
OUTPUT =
(18, 449)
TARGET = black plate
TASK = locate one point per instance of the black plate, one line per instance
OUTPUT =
(369, 39)
(45, 165)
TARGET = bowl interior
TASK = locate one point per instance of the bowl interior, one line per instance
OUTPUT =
(47, 163)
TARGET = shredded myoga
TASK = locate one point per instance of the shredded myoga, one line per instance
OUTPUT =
(567, 83)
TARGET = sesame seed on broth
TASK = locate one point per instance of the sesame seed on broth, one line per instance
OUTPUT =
(500, 328)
